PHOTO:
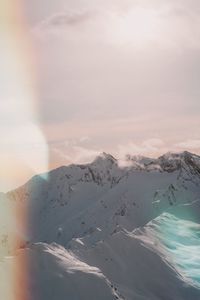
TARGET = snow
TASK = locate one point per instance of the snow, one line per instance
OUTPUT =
(108, 228)
(54, 273)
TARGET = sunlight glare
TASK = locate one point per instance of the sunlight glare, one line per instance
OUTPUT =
(138, 27)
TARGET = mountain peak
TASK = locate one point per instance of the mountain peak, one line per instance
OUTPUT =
(176, 155)
(105, 157)
(172, 161)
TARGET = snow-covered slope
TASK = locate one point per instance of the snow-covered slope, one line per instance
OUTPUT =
(94, 211)
(157, 261)
(77, 200)
(53, 273)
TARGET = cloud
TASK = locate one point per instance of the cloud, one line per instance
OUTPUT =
(156, 147)
(73, 151)
(178, 21)
(85, 77)
(84, 155)
(84, 139)
(63, 20)
(83, 150)
(76, 154)
(189, 145)
(151, 147)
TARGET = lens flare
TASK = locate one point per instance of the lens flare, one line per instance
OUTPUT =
(22, 142)
(23, 146)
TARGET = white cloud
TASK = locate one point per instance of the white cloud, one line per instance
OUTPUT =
(189, 145)
(84, 155)
(168, 25)
(84, 139)
(149, 147)
(73, 151)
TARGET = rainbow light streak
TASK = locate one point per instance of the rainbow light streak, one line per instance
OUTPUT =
(20, 136)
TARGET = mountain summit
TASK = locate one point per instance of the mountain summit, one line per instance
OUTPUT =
(101, 224)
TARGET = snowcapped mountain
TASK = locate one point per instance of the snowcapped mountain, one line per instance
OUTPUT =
(125, 232)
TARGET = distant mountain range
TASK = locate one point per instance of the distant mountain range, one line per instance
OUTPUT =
(104, 231)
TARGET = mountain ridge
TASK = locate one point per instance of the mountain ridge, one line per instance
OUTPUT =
(110, 217)
(137, 162)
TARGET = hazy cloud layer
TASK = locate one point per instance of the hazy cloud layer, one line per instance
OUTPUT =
(64, 19)
(124, 73)
(86, 71)
(75, 151)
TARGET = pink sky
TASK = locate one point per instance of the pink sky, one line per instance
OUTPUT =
(85, 76)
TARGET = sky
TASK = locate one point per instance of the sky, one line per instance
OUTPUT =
(81, 77)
